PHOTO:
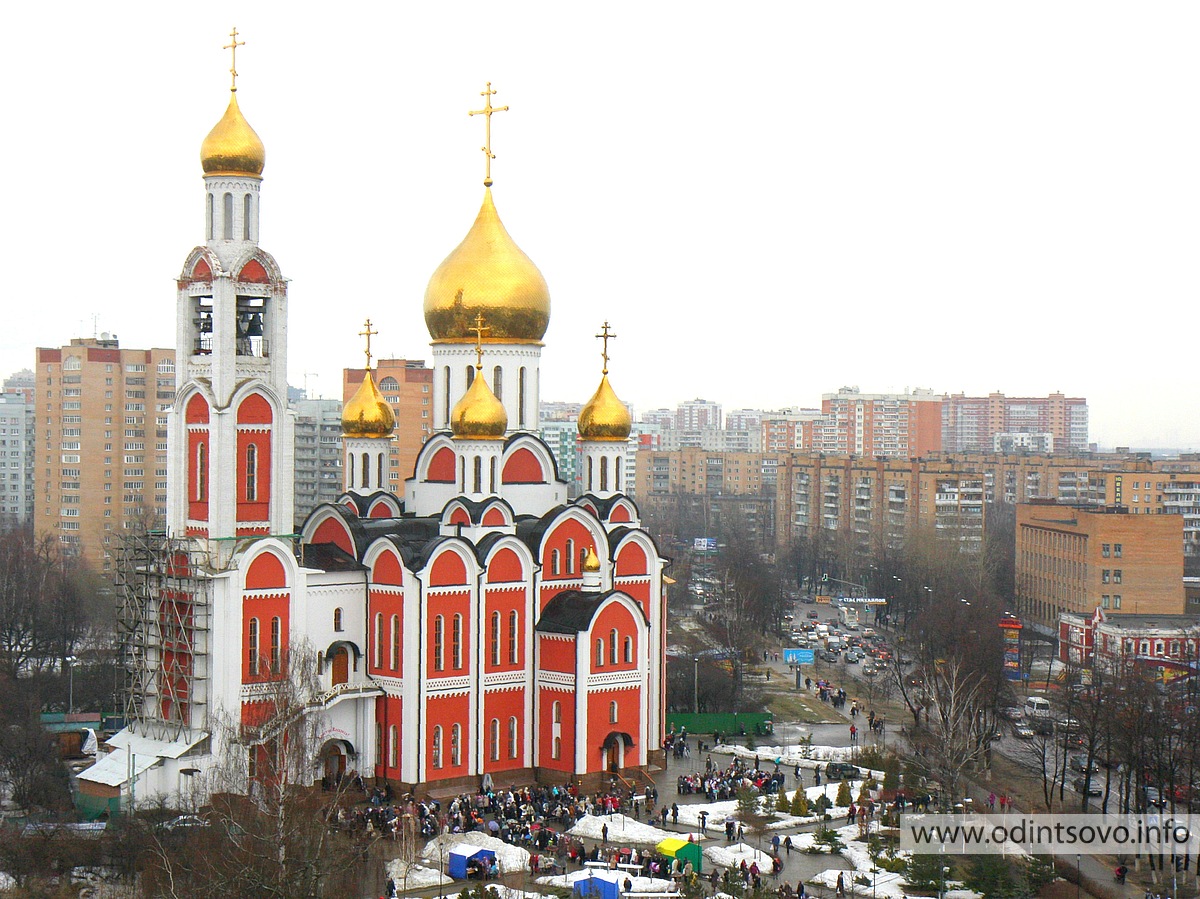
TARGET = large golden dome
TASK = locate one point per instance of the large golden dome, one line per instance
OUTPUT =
(605, 417)
(479, 415)
(368, 414)
(232, 147)
(487, 274)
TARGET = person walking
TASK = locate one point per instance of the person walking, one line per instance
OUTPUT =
(787, 843)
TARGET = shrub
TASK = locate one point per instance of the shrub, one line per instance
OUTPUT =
(781, 802)
(891, 773)
(822, 804)
(800, 804)
(843, 794)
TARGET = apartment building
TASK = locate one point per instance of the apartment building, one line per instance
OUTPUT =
(16, 457)
(318, 440)
(972, 423)
(889, 425)
(697, 414)
(101, 447)
(785, 430)
(407, 385)
(1075, 559)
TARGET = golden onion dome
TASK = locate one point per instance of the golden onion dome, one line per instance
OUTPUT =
(591, 561)
(487, 274)
(479, 415)
(605, 417)
(232, 147)
(368, 414)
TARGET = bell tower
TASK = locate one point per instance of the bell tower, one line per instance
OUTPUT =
(230, 432)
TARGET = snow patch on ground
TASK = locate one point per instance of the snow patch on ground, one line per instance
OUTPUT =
(510, 859)
(419, 877)
(732, 856)
(885, 883)
(640, 884)
(622, 829)
(791, 756)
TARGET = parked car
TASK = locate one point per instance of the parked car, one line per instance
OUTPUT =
(1023, 731)
(840, 771)
(1093, 788)
(828, 655)
(1080, 763)
(869, 669)
(813, 614)
(853, 656)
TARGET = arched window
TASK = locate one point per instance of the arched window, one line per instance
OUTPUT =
(393, 746)
(521, 383)
(252, 647)
(246, 217)
(337, 620)
(600, 652)
(498, 382)
(366, 471)
(492, 475)
(590, 466)
(555, 563)
(618, 465)
(479, 474)
(604, 472)
(227, 224)
(276, 637)
(628, 650)
(570, 557)
(350, 470)
(613, 647)
(556, 712)
(457, 644)
(446, 397)
(379, 480)
(378, 648)
(612, 712)
(210, 225)
(470, 376)
(395, 643)
(436, 746)
(252, 473)
(556, 752)
(201, 471)
(439, 636)
(495, 638)
(582, 557)
(462, 470)
(494, 740)
(513, 618)
(512, 738)
(456, 745)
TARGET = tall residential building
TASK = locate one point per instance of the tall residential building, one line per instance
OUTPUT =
(744, 419)
(101, 458)
(785, 430)
(972, 423)
(563, 439)
(407, 385)
(318, 434)
(888, 425)
(1076, 559)
(697, 414)
(16, 458)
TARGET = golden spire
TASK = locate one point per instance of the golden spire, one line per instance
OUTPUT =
(368, 333)
(604, 416)
(606, 336)
(480, 329)
(232, 47)
(486, 112)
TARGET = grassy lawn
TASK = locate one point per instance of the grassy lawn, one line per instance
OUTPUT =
(789, 707)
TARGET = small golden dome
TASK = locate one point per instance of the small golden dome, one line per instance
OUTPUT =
(479, 415)
(368, 414)
(605, 417)
(591, 562)
(232, 147)
(487, 274)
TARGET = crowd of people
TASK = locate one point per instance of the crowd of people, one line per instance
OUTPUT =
(719, 784)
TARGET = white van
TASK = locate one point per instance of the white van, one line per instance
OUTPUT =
(1037, 707)
(822, 631)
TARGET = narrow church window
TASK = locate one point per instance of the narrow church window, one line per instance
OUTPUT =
(613, 648)
(556, 712)
(350, 471)
(366, 471)
(337, 619)
(555, 565)
(252, 473)
(394, 748)
(612, 712)
(201, 472)
(618, 464)
(628, 650)
(246, 217)
(495, 638)
(446, 398)
(600, 652)
(379, 479)
(439, 636)
(521, 398)
(570, 557)
(456, 745)
(494, 740)
(557, 752)
(479, 474)
(437, 746)
(378, 653)
(211, 226)
(498, 382)
(457, 641)
(227, 225)
(512, 738)
(604, 472)
(470, 376)
(276, 636)
(492, 466)
(252, 647)
(395, 643)
(512, 637)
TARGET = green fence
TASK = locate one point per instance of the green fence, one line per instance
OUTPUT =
(758, 723)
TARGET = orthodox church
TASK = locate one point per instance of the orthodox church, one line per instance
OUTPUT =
(478, 625)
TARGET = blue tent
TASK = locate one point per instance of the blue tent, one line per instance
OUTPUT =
(464, 853)
(599, 884)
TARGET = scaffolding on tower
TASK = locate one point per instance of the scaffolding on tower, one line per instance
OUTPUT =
(164, 622)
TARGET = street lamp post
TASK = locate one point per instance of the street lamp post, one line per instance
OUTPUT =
(70, 661)
(696, 685)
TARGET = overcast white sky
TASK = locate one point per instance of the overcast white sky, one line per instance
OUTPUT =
(768, 200)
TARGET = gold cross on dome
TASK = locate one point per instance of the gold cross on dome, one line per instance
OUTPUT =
(486, 112)
(480, 330)
(368, 333)
(232, 48)
(606, 335)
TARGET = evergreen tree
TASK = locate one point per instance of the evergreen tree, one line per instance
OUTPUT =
(891, 773)
(993, 876)
(781, 802)
(843, 795)
(800, 804)
(924, 872)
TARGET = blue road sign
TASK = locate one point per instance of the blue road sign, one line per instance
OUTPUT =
(800, 656)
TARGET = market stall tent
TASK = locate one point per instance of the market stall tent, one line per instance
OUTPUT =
(599, 884)
(683, 850)
(462, 854)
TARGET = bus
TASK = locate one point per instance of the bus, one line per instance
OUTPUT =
(848, 617)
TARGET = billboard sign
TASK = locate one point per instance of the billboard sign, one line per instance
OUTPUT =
(704, 544)
(800, 656)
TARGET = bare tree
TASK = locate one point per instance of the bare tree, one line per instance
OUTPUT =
(956, 731)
